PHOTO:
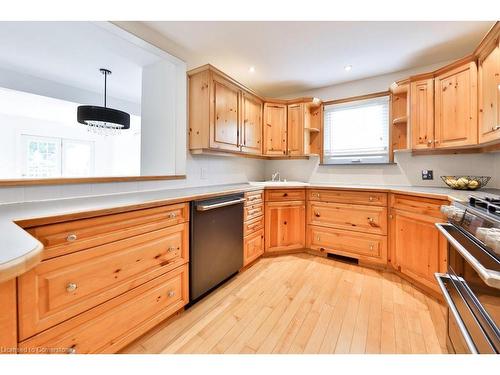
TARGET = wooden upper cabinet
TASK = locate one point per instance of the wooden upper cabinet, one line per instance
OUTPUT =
(275, 129)
(456, 107)
(295, 129)
(225, 119)
(251, 124)
(489, 97)
(422, 113)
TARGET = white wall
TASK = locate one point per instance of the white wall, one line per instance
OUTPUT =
(216, 170)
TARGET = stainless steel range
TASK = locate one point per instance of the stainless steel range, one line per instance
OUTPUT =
(472, 285)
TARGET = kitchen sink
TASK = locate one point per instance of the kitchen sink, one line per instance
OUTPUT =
(278, 183)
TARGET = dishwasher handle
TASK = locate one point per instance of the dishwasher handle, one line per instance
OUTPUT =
(207, 207)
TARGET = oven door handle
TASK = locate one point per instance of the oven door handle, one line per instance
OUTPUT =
(491, 278)
(218, 205)
(453, 309)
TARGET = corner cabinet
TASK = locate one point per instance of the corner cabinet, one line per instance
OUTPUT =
(222, 115)
(422, 113)
(275, 125)
(295, 129)
(489, 96)
(418, 250)
(455, 93)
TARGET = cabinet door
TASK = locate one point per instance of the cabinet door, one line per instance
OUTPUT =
(422, 113)
(251, 125)
(456, 107)
(285, 226)
(489, 96)
(253, 246)
(418, 248)
(274, 129)
(295, 129)
(224, 127)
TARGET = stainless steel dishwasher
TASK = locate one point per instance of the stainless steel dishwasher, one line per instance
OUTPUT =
(216, 243)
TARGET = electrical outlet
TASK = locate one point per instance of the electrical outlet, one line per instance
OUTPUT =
(203, 174)
(427, 174)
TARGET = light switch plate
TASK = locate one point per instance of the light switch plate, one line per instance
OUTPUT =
(203, 174)
(427, 174)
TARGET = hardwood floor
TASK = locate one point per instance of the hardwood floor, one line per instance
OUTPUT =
(305, 304)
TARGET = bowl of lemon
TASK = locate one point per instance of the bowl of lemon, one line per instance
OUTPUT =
(465, 182)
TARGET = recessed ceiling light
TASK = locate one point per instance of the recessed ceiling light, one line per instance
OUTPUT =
(251, 69)
(347, 68)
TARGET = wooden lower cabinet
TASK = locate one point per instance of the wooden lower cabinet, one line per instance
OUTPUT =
(418, 250)
(253, 246)
(112, 325)
(63, 287)
(363, 246)
(8, 317)
(285, 226)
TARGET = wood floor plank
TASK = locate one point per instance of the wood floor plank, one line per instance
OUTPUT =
(305, 304)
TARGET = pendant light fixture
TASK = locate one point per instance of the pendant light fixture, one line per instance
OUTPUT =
(103, 120)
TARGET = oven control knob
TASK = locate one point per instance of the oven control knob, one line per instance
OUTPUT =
(447, 210)
(458, 214)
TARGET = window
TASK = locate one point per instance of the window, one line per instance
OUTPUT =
(357, 132)
(46, 157)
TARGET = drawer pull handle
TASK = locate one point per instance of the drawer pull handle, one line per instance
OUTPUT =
(171, 293)
(71, 287)
(371, 220)
(71, 351)
(317, 214)
(71, 237)
(170, 249)
(370, 199)
(315, 195)
(172, 215)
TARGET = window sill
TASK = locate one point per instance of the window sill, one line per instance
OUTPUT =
(83, 180)
(355, 164)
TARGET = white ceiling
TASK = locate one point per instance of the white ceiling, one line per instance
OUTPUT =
(291, 57)
(71, 53)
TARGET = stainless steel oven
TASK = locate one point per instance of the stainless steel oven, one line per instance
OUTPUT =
(471, 284)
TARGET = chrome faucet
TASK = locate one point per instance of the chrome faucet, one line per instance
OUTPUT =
(275, 175)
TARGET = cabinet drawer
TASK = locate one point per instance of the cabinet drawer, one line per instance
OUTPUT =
(71, 236)
(370, 247)
(351, 197)
(253, 225)
(367, 219)
(254, 197)
(285, 195)
(61, 288)
(425, 206)
(253, 246)
(112, 325)
(253, 211)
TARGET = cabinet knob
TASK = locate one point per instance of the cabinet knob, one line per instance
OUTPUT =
(370, 199)
(315, 195)
(318, 238)
(71, 237)
(371, 246)
(170, 249)
(285, 194)
(390, 216)
(429, 142)
(317, 214)
(371, 219)
(71, 287)
(71, 350)
(171, 293)
(172, 215)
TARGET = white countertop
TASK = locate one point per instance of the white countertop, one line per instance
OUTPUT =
(18, 245)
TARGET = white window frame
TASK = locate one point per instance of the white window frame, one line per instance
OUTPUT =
(377, 155)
